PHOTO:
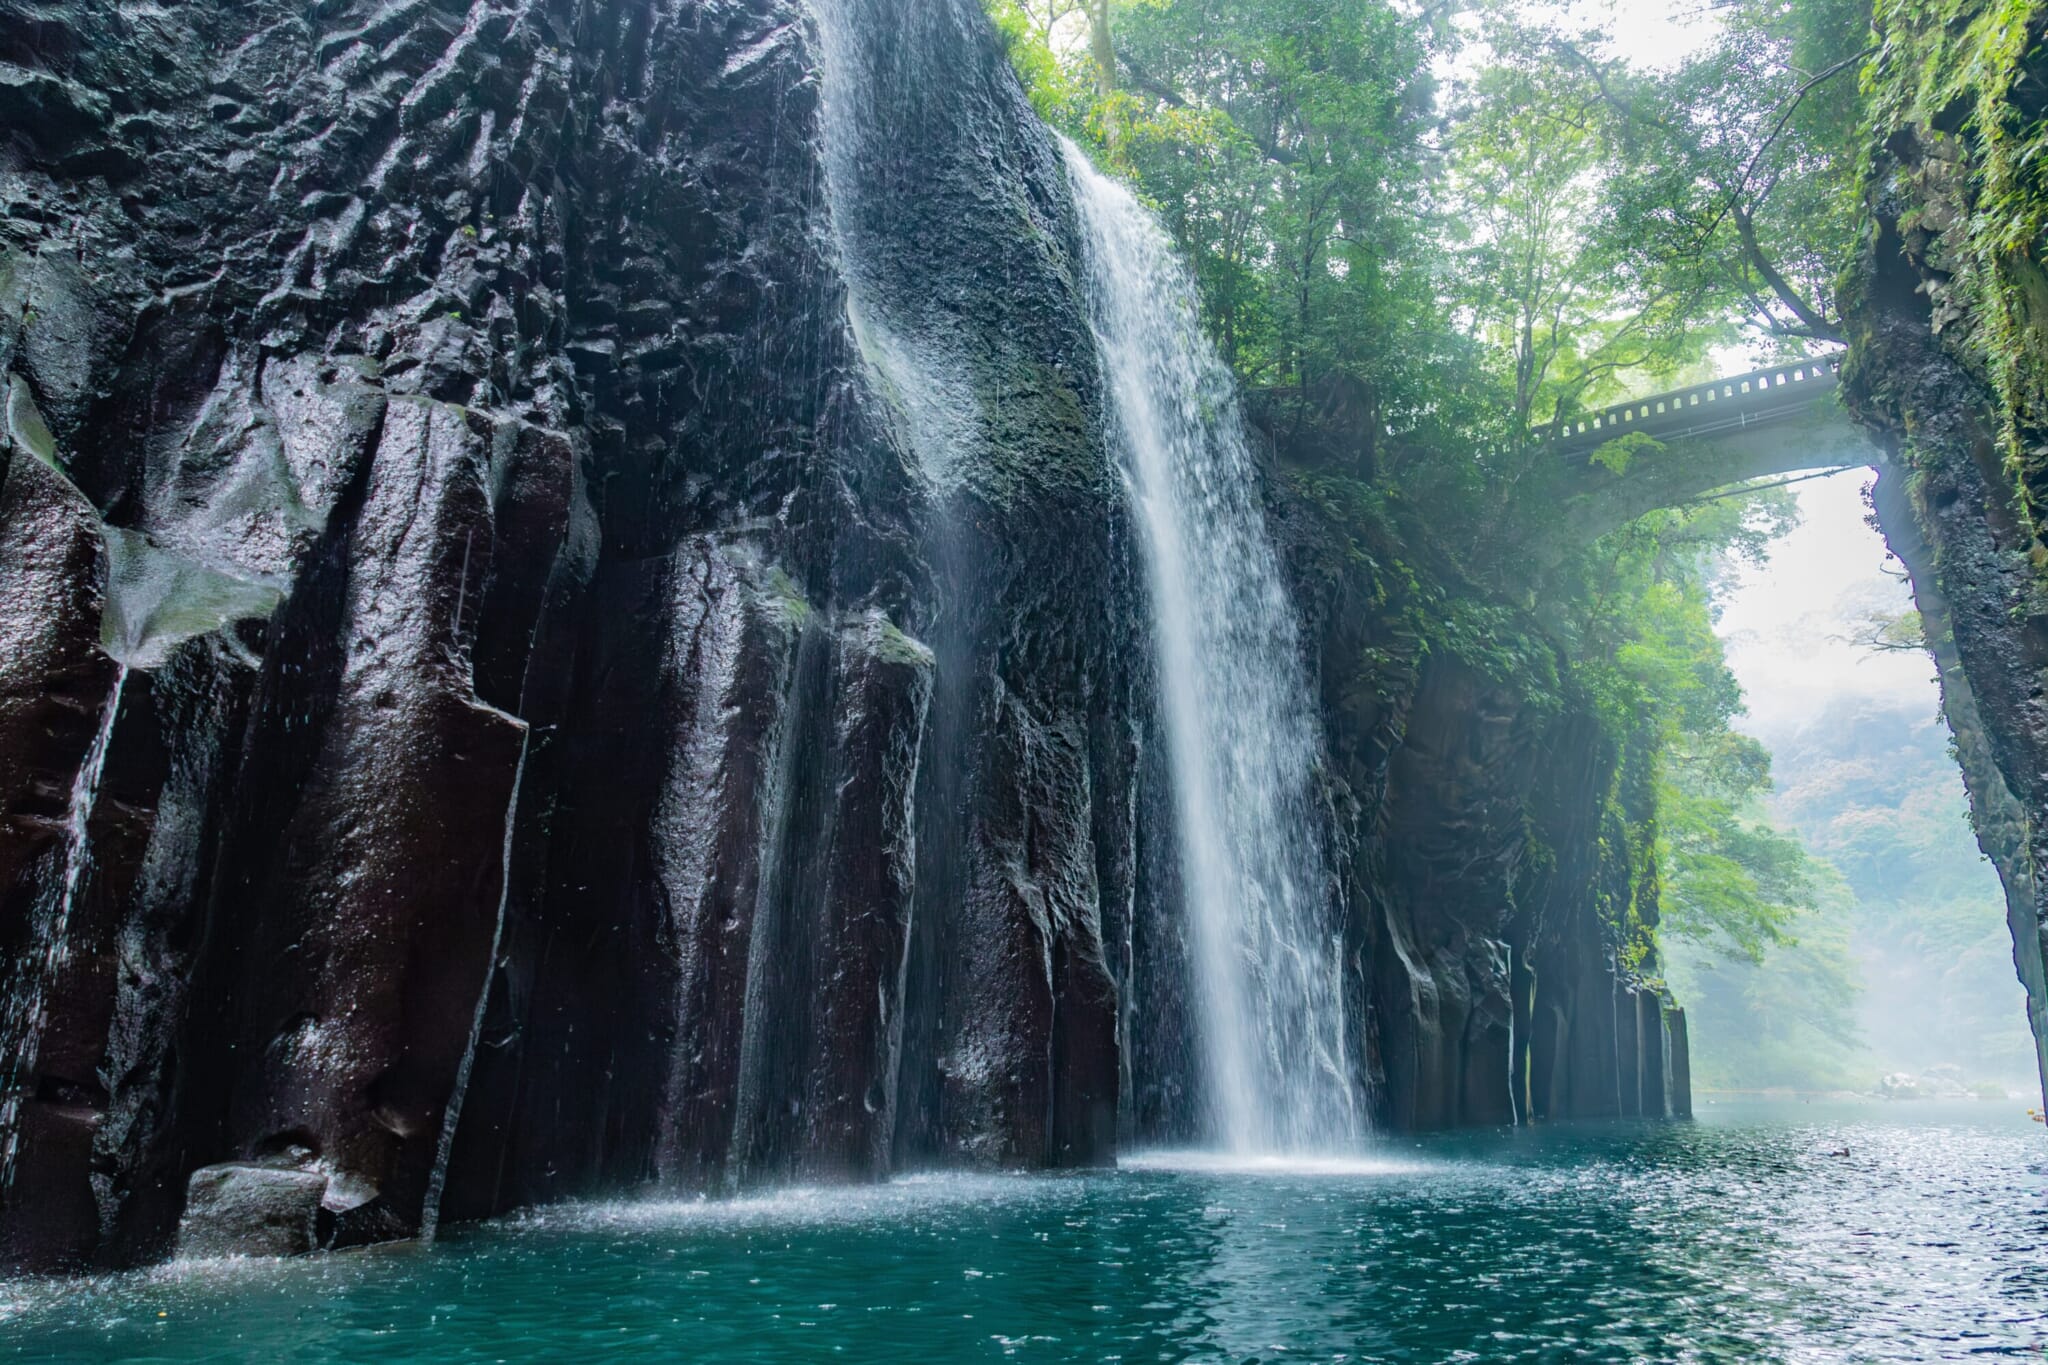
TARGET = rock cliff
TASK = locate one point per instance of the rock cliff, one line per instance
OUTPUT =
(1948, 368)
(1494, 837)
(567, 623)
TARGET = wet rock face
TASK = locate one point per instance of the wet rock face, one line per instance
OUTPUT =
(248, 1210)
(1951, 510)
(508, 691)
(1483, 862)
(558, 735)
(1946, 370)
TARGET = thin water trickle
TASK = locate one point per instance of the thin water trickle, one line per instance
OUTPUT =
(451, 1116)
(26, 1010)
(1241, 731)
(911, 356)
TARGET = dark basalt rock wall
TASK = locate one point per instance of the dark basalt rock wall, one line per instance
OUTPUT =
(1490, 840)
(441, 422)
(493, 705)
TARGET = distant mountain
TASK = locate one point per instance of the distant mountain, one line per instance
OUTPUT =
(1907, 965)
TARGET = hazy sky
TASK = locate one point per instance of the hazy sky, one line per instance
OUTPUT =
(1785, 623)
(1651, 32)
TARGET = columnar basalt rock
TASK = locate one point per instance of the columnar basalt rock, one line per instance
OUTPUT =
(567, 726)
(1491, 842)
(451, 417)
(54, 678)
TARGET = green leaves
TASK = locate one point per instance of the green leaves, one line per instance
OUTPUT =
(1730, 878)
(1640, 617)
(1953, 95)
(1286, 144)
(1411, 286)
(1617, 455)
(1731, 184)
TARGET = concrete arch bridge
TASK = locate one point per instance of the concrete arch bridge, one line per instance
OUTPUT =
(1781, 420)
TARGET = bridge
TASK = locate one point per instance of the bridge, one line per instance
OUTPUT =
(1781, 420)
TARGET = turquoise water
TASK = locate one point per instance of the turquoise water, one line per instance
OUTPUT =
(1737, 1238)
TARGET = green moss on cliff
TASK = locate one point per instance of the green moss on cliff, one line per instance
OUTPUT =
(1957, 109)
(1428, 608)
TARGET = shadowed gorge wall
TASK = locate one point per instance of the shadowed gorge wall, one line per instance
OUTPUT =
(496, 705)
(1947, 368)
(1493, 838)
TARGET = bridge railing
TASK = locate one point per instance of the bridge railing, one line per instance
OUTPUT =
(1704, 409)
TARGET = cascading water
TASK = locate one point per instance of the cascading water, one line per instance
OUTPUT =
(910, 353)
(1242, 737)
(26, 1009)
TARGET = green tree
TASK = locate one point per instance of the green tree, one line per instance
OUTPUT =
(1790, 1021)
(1732, 880)
(1564, 312)
(1637, 611)
(1288, 147)
(1732, 179)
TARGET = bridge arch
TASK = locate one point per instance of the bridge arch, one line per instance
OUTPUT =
(1781, 420)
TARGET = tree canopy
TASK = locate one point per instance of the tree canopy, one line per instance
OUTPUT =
(1423, 234)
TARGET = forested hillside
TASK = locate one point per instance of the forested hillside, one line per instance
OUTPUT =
(1905, 965)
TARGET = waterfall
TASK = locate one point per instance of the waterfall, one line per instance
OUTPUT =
(26, 1009)
(1242, 738)
(911, 354)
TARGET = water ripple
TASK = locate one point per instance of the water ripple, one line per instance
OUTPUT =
(1741, 1238)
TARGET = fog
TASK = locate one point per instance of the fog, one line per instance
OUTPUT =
(1865, 777)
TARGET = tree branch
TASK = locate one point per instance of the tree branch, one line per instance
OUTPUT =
(1816, 326)
(1792, 104)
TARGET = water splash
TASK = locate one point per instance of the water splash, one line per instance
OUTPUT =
(1280, 1165)
(1242, 738)
(26, 1010)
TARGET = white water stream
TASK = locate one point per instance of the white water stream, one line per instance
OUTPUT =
(1241, 731)
(26, 1010)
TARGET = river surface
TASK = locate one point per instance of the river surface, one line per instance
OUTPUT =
(1737, 1238)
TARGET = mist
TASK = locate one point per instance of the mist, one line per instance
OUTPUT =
(1905, 965)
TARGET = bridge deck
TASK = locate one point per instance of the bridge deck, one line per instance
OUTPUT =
(1704, 410)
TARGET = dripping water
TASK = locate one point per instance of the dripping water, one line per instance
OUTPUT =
(26, 1009)
(451, 1115)
(911, 352)
(878, 95)
(1242, 739)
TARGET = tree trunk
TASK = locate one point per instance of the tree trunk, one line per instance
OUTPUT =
(1102, 47)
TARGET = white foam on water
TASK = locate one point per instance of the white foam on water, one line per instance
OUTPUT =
(807, 1205)
(1258, 1165)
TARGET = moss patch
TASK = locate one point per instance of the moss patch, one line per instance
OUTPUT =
(1956, 90)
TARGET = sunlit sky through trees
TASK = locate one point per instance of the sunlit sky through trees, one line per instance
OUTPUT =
(1655, 33)
(1787, 623)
